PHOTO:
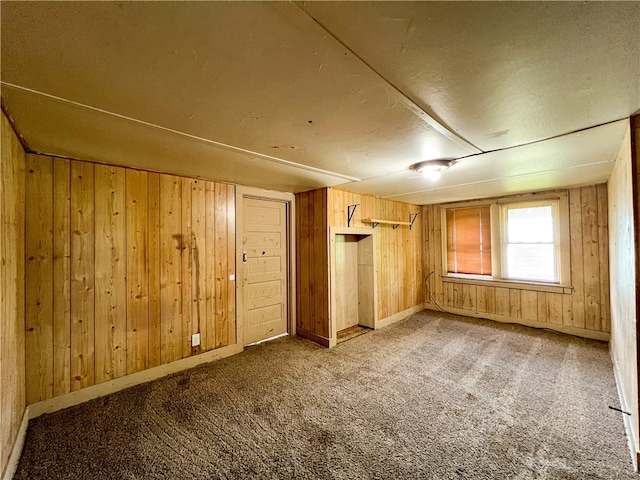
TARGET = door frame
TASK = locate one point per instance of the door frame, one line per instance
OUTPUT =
(288, 199)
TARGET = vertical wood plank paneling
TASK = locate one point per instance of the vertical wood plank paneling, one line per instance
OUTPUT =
(82, 276)
(323, 257)
(418, 240)
(121, 244)
(367, 202)
(428, 250)
(393, 266)
(554, 308)
(15, 275)
(466, 296)
(567, 310)
(623, 208)
(502, 301)
(577, 267)
(529, 304)
(458, 295)
(473, 301)
(315, 288)
(313, 215)
(603, 257)
(336, 203)
(198, 272)
(110, 273)
(406, 274)
(231, 264)
(39, 278)
(437, 220)
(543, 311)
(448, 294)
(187, 266)
(383, 264)
(62, 276)
(155, 327)
(303, 261)
(590, 255)
(210, 265)
(171, 251)
(222, 324)
(482, 299)
(514, 303)
(490, 299)
(137, 210)
(7, 382)
(12, 289)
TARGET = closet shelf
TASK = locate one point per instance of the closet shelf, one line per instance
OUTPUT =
(375, 222)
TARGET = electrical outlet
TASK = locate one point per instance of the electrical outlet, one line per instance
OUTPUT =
(232, 277)
(195, 339)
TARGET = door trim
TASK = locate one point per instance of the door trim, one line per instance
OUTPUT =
(243, 192)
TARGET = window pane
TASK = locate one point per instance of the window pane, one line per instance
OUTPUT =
(530, 225)
(531, 262)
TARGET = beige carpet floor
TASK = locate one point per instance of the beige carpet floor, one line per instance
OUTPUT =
(431, 397)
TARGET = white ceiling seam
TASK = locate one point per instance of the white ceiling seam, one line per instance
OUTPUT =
(410, 103)
(488, 180)
(506, 149)
(553, 137)
(187, 135)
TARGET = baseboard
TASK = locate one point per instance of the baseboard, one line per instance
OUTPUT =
(576, 331)
(385, 322)
(634, 448)
(314, 337)
(12, 463)
(75, 398)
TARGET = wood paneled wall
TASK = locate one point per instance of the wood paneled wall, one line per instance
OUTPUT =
(583, 310)
(122, 267)
(398, 251)
(632, 375)
(12, 355)
(623, 283)
(398, 254)
(312, 264)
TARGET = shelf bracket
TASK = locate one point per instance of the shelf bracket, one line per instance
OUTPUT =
(374, 224)
(412, 218)
(395, 225)
(351, 209)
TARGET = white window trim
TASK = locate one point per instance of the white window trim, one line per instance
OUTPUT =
(497, 246)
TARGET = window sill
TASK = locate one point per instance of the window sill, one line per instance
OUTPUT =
(534, 286)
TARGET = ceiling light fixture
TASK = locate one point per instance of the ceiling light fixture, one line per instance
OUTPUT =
(433, 168)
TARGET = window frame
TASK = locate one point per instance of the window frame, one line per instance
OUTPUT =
(498, 208)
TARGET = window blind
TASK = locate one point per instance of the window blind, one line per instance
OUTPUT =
(469, 240)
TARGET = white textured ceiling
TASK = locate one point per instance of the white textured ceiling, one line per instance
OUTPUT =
(294, 96)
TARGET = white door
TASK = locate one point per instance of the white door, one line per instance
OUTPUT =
(264, 269)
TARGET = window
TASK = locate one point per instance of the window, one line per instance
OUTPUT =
(524, 239)
(531, 241)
